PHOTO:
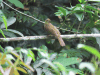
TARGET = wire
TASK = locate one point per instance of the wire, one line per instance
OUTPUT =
(23, 13)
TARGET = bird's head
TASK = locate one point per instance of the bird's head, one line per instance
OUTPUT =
(47, 21)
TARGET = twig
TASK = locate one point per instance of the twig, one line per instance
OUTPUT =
(48, 37)
(82, 17)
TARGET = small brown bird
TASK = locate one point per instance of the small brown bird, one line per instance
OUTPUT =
(54, 31)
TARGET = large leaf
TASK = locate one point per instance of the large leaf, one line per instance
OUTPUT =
(90, 49)
(61, 67)
(79, 16)
(39, 71)
(14, 31)
(10, 21)
(42, 61)
(2, 58)
(87, 65)
(17, 3)
(67, 61)
(46, 71)
(10, 57)
(9, 34)
(62, 10)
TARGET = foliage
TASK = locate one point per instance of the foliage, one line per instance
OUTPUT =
(6, 62)
(90, 49)
(45, 57)
(17, 3)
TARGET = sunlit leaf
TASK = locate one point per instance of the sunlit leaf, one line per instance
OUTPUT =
(67, 61)
(16, 72)
(42, 61)
(1, 48)
(10, 57)
(61, 67)
(81, 1)
(5, 21)
(21, 69)
(62, 10)
(89, 49)
(31, 54)
(87, 65)
(2, 58)
(2, 33)
(28, 66)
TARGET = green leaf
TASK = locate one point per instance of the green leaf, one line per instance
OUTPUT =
(24, 51)
(1, 48)
(59, 13)
(74, 70)
(5, 21)
(79, 16)
(42, 61)
(10, 57)
(2, 33)
(31, 54)
(98, 71)
(34, 0)
(78, 7)
(91, 8)
(27, 66)
(67, 61)
(88, 65)
(81, 1)
(48, 42)
(17, 48)
(17, 3)
(89, 49)
(34, 23)
(61, 67)
(14, 31)
(10, 21)
(44, 48)
(0, 1)
(9, 34)
(62, 10)
(42, 52)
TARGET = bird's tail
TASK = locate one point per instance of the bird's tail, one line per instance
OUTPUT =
(61, 41)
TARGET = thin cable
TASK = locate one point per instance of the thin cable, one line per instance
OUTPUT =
(22, 12)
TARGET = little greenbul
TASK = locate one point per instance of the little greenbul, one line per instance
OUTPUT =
(54, 31)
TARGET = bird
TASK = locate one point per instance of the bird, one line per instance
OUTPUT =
(53, 31)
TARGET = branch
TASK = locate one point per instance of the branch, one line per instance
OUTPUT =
(48, 37)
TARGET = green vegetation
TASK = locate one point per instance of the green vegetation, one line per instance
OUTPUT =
(40, 55)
